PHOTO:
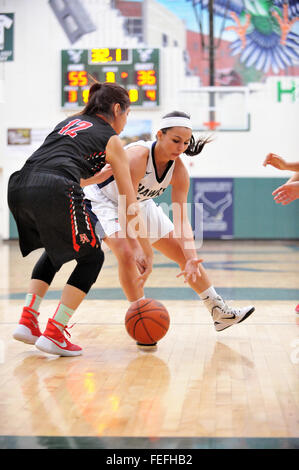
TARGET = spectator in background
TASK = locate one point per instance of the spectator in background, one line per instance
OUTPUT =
(289, 191)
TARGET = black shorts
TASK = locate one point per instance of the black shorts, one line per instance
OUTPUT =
(50, 213)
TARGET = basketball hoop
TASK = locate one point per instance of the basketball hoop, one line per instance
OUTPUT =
(229, 111)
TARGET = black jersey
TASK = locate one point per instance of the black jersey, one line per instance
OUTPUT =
(75, 148)
(45, 196)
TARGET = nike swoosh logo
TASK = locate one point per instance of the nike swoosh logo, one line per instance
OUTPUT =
(148, 172)
(225, 318)
(58, 343)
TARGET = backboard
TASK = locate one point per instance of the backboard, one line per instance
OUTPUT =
(218, 108)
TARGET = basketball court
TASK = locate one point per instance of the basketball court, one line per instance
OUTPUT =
(200, 389)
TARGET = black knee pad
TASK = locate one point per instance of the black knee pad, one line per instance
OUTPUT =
(87, 270)
(44, 270)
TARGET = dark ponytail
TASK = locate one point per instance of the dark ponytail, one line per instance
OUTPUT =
(195, 146)
(95, 87)
(102, 97)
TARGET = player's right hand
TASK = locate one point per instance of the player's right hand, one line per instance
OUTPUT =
(286, 193)
(145, 267)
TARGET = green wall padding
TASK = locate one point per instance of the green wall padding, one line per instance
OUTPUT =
(256, 215)
(13, 231)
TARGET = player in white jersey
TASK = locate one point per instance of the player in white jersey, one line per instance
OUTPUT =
(154, 166)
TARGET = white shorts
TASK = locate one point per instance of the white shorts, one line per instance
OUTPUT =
(105, 210)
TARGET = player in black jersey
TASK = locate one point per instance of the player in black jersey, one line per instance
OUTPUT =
(47, 202)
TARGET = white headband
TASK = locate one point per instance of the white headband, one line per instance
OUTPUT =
(175, 121)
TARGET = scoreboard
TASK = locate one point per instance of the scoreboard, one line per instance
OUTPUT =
(137, 70)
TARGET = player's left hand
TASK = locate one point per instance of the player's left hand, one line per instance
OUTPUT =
(191, 271)
(286, 193)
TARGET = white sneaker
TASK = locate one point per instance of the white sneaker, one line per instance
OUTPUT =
(225, 316)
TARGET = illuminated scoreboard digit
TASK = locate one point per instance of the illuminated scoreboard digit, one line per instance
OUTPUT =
(137, 70)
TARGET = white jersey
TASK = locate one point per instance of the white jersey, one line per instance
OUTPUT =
(151, 185)
(102, 200)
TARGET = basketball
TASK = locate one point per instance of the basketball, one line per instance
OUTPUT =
(147, 321)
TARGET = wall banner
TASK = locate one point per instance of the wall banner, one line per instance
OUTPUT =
(6, 37)
(213, 201)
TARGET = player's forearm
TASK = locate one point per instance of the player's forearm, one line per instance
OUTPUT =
(88, 181)
(130, 217)
(292, 166)
(183, 230)
(185, 235)
(188, 248)
(294, 177)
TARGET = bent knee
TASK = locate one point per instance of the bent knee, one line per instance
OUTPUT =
(123, 252)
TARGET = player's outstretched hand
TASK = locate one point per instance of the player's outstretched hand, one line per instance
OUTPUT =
(276, 161)
(286, 193)
(191, 271)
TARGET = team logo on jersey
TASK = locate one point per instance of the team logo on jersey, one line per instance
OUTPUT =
(148, 192)
(84, 238)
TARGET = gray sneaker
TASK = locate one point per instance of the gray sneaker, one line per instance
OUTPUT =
(225, 316)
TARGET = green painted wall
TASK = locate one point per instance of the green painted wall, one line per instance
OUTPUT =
(256, 215)
(13, 231)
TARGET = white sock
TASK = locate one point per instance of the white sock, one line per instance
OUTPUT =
(208, 293)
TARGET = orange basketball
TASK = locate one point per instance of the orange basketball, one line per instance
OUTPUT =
(147, 321)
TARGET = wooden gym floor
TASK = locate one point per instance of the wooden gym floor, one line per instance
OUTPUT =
(235, 389)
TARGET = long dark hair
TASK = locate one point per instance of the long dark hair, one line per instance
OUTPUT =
(102, 97)
(195, 146)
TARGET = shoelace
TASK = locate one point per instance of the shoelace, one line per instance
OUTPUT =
(223, 307)
(226, 309)
(66, 328)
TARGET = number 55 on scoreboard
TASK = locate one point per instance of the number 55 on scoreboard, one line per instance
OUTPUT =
(137, 70)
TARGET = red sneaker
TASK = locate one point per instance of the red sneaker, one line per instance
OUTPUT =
(53, 341)
(27, 330)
